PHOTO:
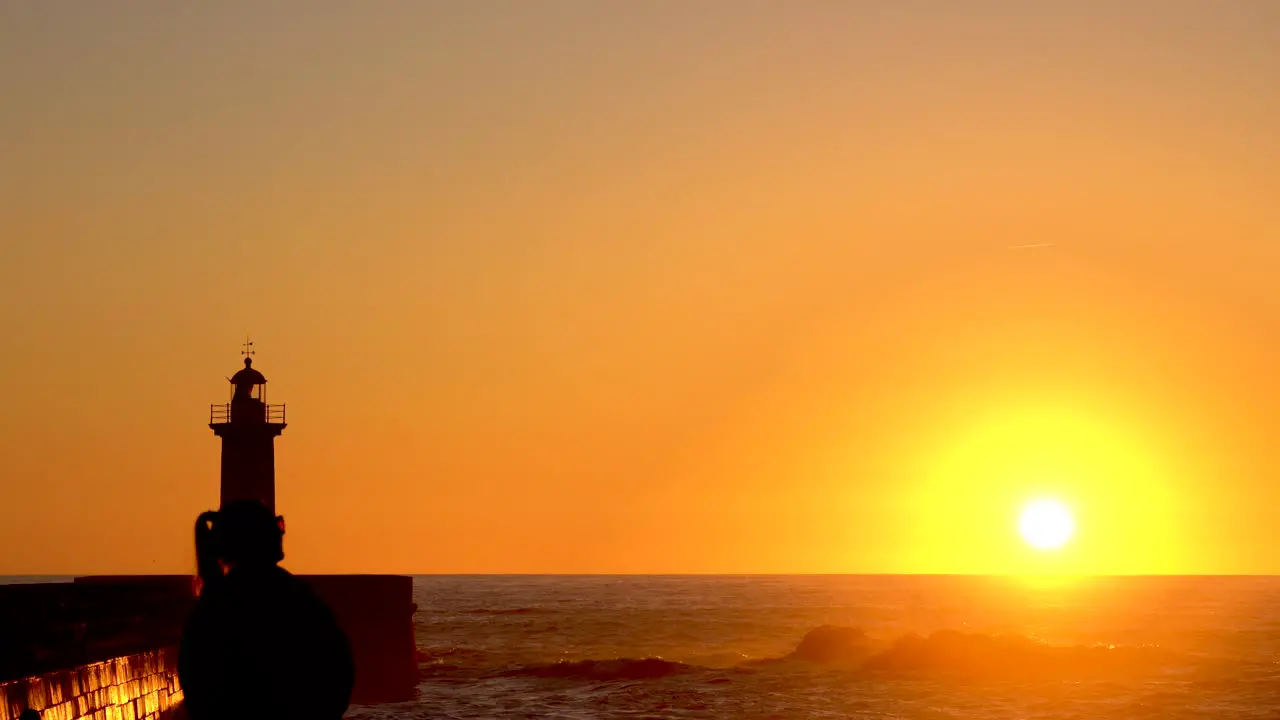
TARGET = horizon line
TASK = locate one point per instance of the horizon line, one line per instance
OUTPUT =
(702, 574)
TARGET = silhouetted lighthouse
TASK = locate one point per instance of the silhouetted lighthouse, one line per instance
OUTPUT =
(375, 611)
(248, 427)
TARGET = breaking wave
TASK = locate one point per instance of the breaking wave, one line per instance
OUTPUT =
(945, 653)
(977, 655)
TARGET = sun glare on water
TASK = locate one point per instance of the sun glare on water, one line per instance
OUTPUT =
(1046, 524)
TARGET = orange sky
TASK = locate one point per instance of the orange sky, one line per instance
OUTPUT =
(663, 286)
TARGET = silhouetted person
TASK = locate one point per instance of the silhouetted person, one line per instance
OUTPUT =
(29, 714)
(259, 643)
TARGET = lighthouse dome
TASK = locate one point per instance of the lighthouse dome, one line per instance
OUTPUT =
(248, 376)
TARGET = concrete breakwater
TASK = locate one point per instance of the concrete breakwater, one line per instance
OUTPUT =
(105, 648)
(92, 650)
(376, 612)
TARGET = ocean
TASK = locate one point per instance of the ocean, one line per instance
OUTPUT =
(910, 647)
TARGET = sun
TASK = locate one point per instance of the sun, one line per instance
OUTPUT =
(1046, 524)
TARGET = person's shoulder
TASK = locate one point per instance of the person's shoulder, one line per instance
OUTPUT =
(299, 589)
(293, 582)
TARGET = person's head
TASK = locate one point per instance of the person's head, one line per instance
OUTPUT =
(29, 714)
(243, 533)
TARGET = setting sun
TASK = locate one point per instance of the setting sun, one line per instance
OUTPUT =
(1046, 524)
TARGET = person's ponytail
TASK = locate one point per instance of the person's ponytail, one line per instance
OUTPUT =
(208, 568)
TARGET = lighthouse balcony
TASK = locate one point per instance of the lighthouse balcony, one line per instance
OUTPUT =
(252, 411)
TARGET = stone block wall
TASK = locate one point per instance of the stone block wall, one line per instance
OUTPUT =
(48, 628)
(143, 686)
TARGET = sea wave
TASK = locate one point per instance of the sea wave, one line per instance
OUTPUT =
(601, 670)
(1009, 656)
(453, 656)
(1183, 648)
(945, 653)
(978, 655)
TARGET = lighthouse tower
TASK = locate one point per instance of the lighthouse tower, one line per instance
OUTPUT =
(375, 611)
(248, 427)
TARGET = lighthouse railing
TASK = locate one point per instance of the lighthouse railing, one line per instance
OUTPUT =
(275, 414)
(221, 413)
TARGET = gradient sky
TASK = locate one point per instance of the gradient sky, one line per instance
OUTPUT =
(647, 286)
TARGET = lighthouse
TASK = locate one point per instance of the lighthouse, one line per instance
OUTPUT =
(375, 611)
(248, 427)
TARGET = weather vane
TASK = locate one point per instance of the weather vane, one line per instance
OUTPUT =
(248, 348)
